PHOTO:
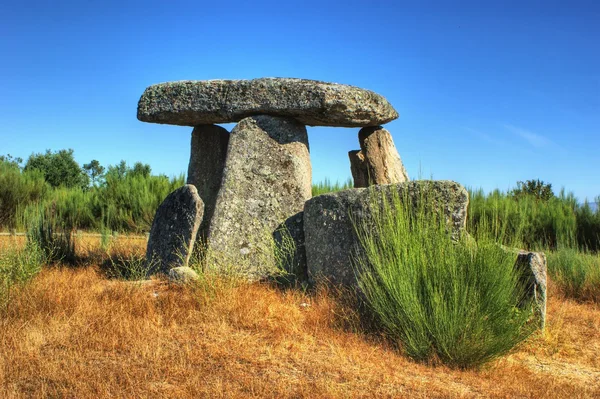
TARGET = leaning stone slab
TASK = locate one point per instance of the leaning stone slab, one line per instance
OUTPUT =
(330, 237)
(378, 161)
(205, 170)
(533, 272)
(310, 102)
(267, 179)
(174, 230)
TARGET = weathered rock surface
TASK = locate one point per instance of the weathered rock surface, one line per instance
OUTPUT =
(174, 230)
(378, 161)
(289, 238)
(205, 170)
(533, 268)
(183, 275)
(358, 167)
(330, 236)
(267, 179)
(314, 103)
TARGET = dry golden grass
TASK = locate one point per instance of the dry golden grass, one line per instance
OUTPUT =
(73, 333)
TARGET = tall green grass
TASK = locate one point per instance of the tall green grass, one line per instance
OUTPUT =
(125, 202)
(327, 186)
(17, 190)
(557, 222)
(577, 274)
(455, 302)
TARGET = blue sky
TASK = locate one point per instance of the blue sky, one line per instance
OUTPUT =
(488, 93)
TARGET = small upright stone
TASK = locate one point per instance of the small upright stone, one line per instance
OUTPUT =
(378, 161)
(174, 230)
(358, 167)
(267, 179)
(205, 170)
(533, 271)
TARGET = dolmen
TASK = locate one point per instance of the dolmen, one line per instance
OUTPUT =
(248, 191)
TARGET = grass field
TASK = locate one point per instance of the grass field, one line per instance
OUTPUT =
(72, 332)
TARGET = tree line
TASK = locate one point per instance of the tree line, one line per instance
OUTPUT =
(89, 196)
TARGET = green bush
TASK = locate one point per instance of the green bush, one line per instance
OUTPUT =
(456, 302)
(540, 224)
(52, 235)
(17, 190)
(17, 267)
(575, 273)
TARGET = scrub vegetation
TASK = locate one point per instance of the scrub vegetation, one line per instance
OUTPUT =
(76, 321)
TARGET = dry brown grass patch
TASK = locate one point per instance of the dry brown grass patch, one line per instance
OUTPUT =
(73, 333)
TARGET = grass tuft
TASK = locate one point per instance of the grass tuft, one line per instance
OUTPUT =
(440, 300)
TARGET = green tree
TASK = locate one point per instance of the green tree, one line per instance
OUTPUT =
(11, 161)
(140, 169)
(94, 170)
(117, 172)
(59, 169)
(536, 188)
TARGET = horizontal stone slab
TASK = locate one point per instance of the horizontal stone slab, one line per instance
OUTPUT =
(310, 102)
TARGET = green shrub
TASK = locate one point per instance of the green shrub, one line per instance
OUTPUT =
(17, 190)
(576, 274)
(52, 235)
(539, 224)
(17, 267)
(456, 302)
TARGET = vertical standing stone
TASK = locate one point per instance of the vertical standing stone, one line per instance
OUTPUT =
(174, 230)
(532, 267)
(267, 179)
(378, 161)
(358, 167)
(205, 170)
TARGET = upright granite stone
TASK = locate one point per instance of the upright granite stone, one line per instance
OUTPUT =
(205, 170)
(378, 161)
(358, 168)
(174, 229)
(267, 179)
(330, 236)
(310, 102)
(533, 271)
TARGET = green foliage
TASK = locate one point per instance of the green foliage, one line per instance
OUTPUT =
(576, 274)
(533, 188)
(59, 169)
(52, 235)
(588, 227)
(95, 171)
(17, 190)
(456, 302)
(122, 199)
(17, 267)
(540, 224)
(326, 186)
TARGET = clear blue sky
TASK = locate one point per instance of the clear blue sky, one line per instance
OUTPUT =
(488, 94)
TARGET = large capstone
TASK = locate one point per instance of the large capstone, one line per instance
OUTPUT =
(378, 161)
(330, 219)
(267, 179)
(314, 103)
(174, 230)
(205, 170)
